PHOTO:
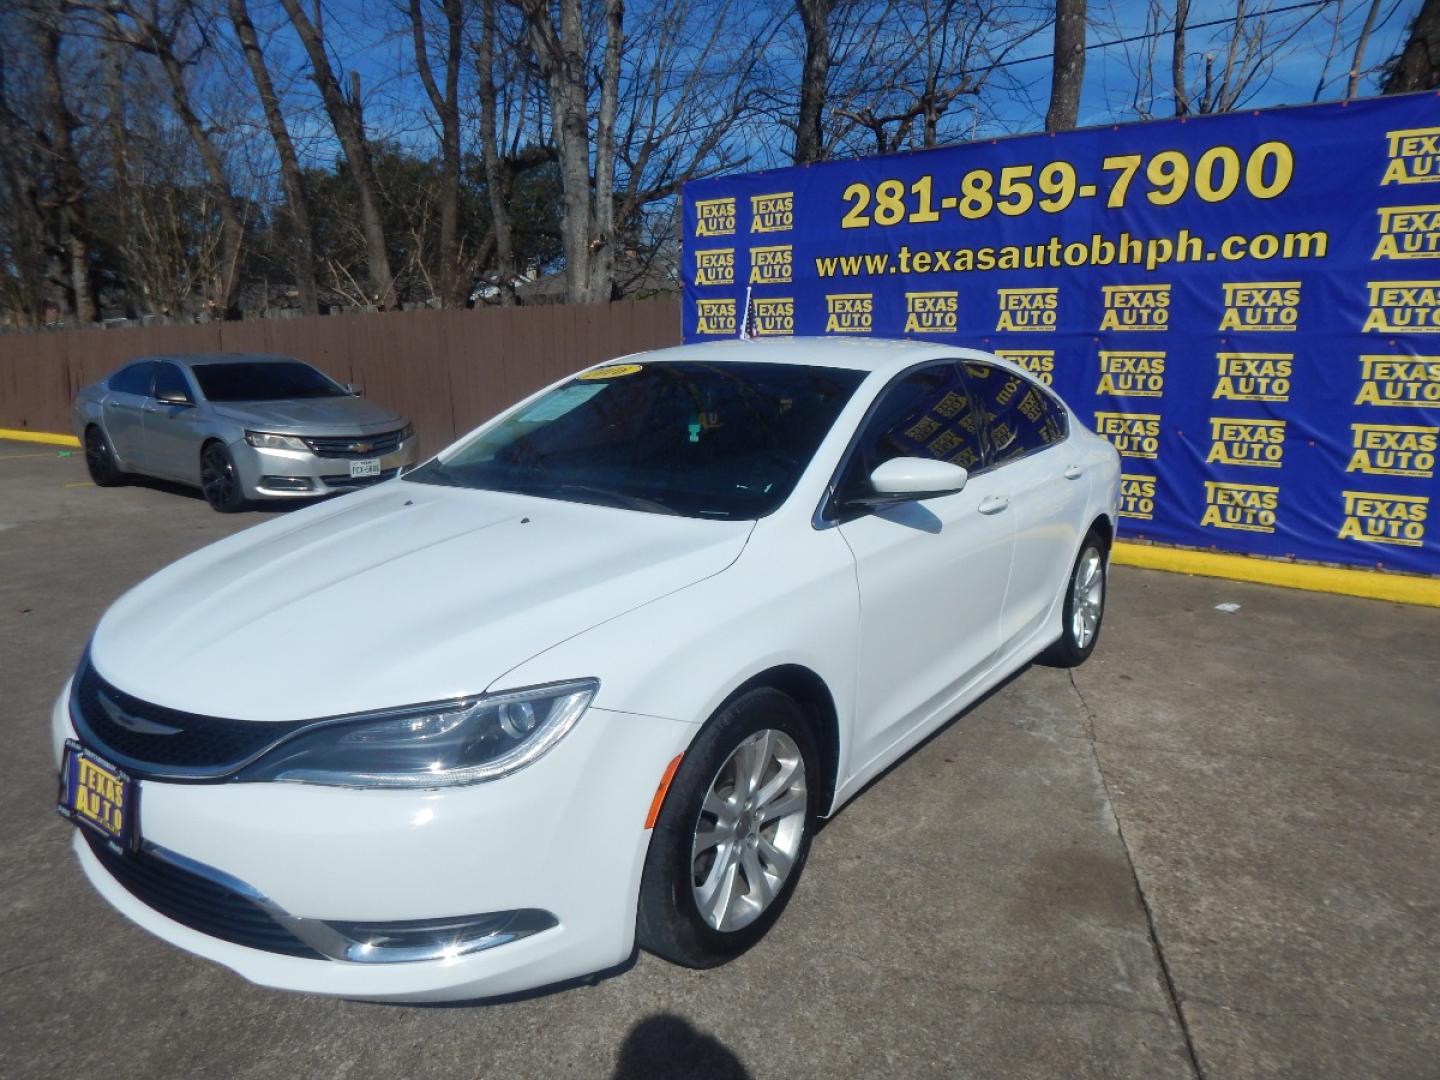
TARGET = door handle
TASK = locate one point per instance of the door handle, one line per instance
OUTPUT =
(994, 504)
(1074, 472)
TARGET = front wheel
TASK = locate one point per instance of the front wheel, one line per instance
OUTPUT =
(1084, 607)
(219, 480)
(733, 834)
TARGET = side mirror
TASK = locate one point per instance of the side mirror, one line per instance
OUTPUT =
(907, 479)
(354, 389)
(174, 397)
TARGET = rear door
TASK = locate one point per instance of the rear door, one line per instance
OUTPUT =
(127, 393)
(1026, 447)
(932, 574)
(172, 445)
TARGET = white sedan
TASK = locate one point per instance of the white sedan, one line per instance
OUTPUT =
(588, 678)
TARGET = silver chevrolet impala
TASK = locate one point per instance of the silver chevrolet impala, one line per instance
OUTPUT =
(239, 427)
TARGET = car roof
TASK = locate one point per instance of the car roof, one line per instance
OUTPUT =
(858, 354)
(200, 359)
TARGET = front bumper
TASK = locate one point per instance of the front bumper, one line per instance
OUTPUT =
(565, 835)
(291, 474)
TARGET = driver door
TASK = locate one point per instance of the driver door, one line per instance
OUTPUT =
(932, 574)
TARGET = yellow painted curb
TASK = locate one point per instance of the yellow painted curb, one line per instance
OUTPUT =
(1371, 584)
(21, 435)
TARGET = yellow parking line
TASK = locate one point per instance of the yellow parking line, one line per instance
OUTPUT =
(25, 435)
(81, 483)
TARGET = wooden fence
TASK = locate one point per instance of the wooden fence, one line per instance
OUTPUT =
(445, 370)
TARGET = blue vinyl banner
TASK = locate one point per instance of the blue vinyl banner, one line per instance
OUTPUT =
(1246, 305)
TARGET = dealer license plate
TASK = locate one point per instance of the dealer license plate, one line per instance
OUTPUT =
(96, 795)
(368, 467)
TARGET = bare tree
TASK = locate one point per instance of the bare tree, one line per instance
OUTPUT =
(1068, 70)
(499, 178)
(560, 50)
(809, 130)
(1417, 66)
(446, 101)
(347, 120)
(161, 32)
(300, 249)
(67, 194)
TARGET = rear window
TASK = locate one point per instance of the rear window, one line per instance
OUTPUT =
(273, 380)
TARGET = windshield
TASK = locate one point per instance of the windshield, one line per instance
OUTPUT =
(264, 380)
(703, 440)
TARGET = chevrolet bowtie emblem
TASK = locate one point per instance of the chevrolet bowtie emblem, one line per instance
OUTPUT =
(361, 447)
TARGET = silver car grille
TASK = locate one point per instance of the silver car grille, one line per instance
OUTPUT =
(354, 446)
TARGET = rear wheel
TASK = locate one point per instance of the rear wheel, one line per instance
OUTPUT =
(1084, 606)
(219, 480)
(100, 459)
(733, 835)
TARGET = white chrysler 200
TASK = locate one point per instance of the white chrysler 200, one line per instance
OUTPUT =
(587, 678)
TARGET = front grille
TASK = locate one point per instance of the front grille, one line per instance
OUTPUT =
(344, 446)
(198, 902)
(206, 745)
(346, 480)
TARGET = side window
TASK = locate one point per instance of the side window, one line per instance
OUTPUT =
(169, 379)
(134, 379)
(926, 414)
(1020, 418)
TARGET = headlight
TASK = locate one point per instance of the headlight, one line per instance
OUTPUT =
(407, 432)
(266, 441)
(430, 746)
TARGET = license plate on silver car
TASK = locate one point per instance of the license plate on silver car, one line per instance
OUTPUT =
(368, 467)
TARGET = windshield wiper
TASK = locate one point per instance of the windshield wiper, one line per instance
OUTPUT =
(614, 498)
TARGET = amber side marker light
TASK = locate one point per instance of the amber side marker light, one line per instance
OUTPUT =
(660, 790)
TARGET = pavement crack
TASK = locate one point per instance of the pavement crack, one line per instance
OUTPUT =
(1155, 943)
(1306, 763)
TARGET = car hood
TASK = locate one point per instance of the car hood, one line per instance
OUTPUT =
(401, 594)
(307, 416)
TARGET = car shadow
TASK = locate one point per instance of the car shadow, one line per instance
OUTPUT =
(263, 506)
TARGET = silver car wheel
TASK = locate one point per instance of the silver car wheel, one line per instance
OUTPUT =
(1087, 597)
(750, 829)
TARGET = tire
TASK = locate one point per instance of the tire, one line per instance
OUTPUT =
(100, 459)
(1084, 608)
(219, 481)
(701, 926)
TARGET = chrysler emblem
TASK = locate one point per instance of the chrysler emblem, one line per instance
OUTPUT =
(131, 722)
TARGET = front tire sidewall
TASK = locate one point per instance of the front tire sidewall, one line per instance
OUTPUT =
(235, 501)
(669, 923)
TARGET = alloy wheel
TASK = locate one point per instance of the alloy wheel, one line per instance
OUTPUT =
(750, 829)
(1087, 597)
(217, 477)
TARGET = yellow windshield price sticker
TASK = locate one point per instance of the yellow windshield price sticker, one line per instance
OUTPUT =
(613, 371)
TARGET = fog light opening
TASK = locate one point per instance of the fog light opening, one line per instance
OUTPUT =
(437, 939)
(287, 483)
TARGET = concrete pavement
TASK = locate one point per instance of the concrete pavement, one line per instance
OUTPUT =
(1212, 852)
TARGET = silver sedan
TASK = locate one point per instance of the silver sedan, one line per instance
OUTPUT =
(239, 427)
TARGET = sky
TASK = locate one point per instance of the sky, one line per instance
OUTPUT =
(366, 36)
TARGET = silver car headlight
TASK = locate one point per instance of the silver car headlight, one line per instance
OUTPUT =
(266, 440)
(429, 746)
